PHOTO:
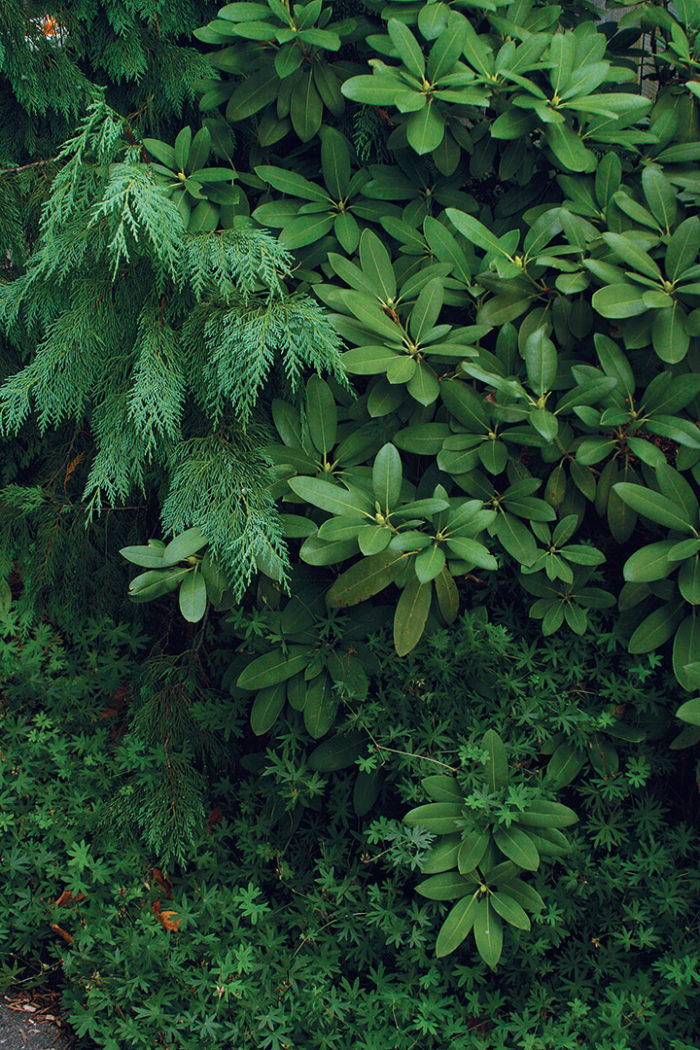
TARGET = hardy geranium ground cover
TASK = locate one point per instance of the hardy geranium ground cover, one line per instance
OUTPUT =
(350, 542)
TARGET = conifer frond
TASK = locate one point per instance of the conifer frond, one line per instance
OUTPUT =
(239, 260)
(157, 396)
(117, 469)
(69, 360)
(242, 342)
(221, 483)
(85, 156)
(172, 322)
(134, 207)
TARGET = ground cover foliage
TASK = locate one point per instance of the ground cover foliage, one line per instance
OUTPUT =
(350, 544)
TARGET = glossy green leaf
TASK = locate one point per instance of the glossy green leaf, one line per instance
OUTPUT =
(445, 886)
(291, 183)
(441, 787)
(411, 615)
(252, 95)
(332, 498)
(517, 846)
(266, 707)
(496, 768)
(488, 933)
(568, 148)
(442, 856)
(525, 895)
(541, 813)
(320, 707)
(427, 310)
(184, 546)
(306, 108)
(440, 818)
(516, 538)
(540, 361)
(447, 49)
(654, 506)
(476, 554)
(377, 90)
(669, 334)
(407, 47)
(377, 266)
(193, 597)
(162, 152)
(689, 580)
(429, 563)
(627, 249)
(660, 195)
(447, 595)
(425, 129)
(564, 765)
(619, 301)
(472, 851)
(147, 557)
(686, 649)
(424, 386)
(366, 578)
(655, 629)
(690, 711)
(649, 563)
(366, 791)
(683, 247)
(457, 926)
(321, 414)
(339, 752)
(476, 233)
(387, 477)
(273, 667)
(509, 909)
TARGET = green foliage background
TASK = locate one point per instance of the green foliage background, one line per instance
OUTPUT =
(369, 334)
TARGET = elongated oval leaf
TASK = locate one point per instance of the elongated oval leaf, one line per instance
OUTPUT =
(184, 545)
(193, 597)
(447, 595)
(320, 707)
(411, 615)
(472, 851)
(456, 927)
(438, 817)
(540, 361)
(518, 847)
(366, 578)
(387, 476)
(542, 813)
(441, 787)
(686, 649)
(442, 856)
(476, 233)
(650, 563)
(690, 711)
(654, 506)
(274, 667)
(339, 752)
(266, 707)
(330, 497)
(488, 933)
(446, 886)
(321, 414)
(655, 629)
(376, 266)
(146, 557)
(509, 909)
